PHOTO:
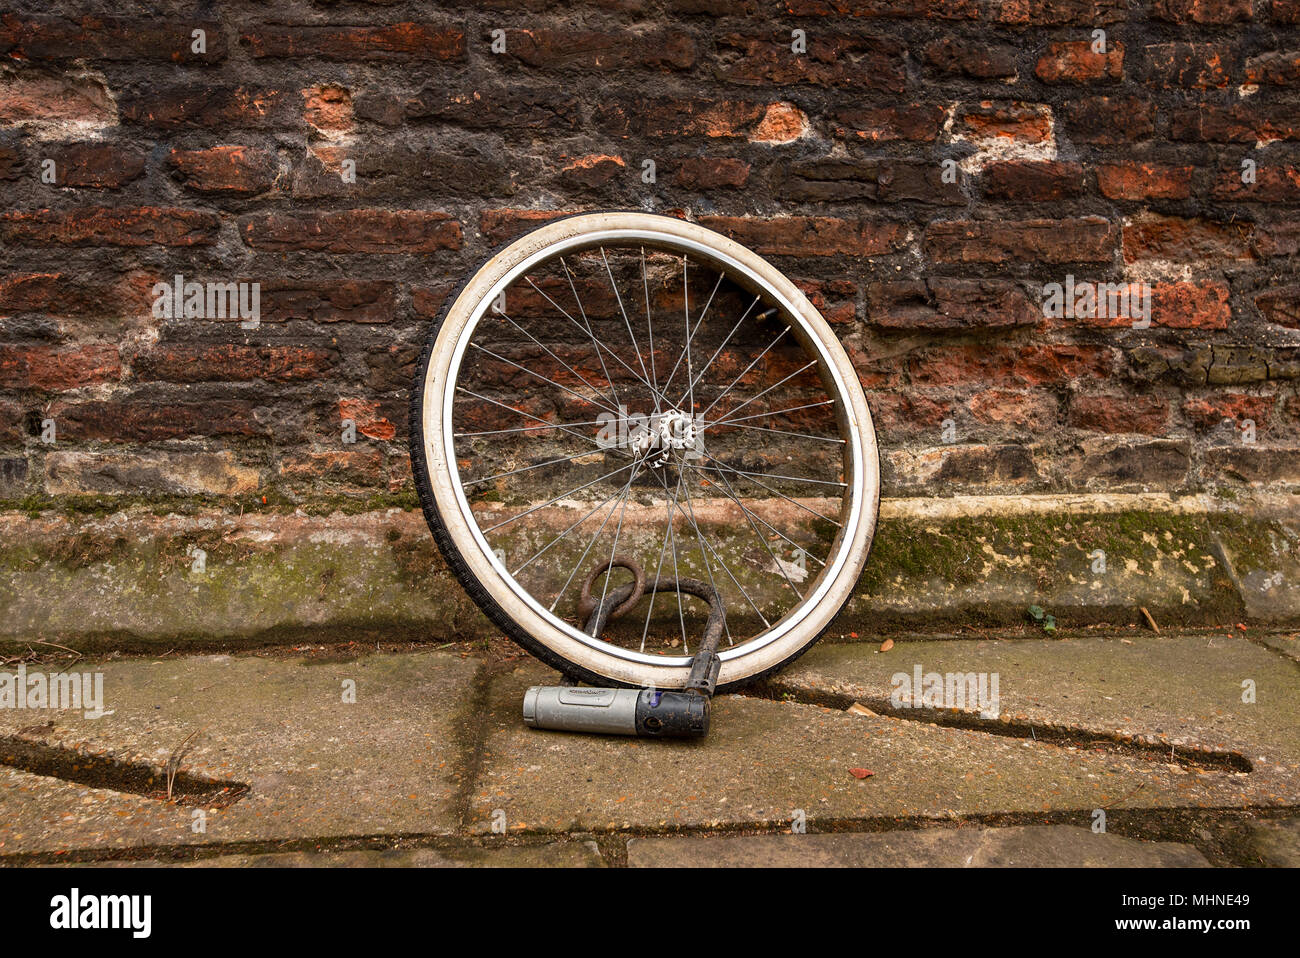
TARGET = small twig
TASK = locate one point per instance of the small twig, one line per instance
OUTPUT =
(174, 762)
(1123, 797)
(55, 645)
(1150, 621)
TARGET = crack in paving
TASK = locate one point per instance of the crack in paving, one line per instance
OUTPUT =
(107, 771)
(1216, 832)
(1057, 735)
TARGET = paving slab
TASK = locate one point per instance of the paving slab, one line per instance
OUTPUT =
(1180, 692)
(1061, 846)
(764, 760)
(390, 763)
(1277, 843)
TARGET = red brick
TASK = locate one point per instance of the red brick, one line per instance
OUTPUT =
(1284, 11)
(916, 122)
(901, 416)
(1075, 62)
(232, 363)
(521, 110)
(497, 226)
(1191, 305)
(1206, 412)
(109, 38)
(1242, 122)
(781, 123)
(1040, 13)
(1144, 181)
(1033, 181)
(394, 41)
(427, 301)
(1175, 305)
(40, 98)
(1110, 120)
(592, 170)
(1033, 411)
(832, 60)
(711, 173)
(1200, 66)
(95, 165)
(226, 169)
(664, 117)
(328, 301)
(1202, 11)
(151, 420)
(55, 368)
(1273, 184)
(1280, 305)
(207, 107)
(1276, 68)
(1277, 238)
(328, 108)
(353, 231)
(567, 49)
(360, 466)
(1182, 240)
(64, 295)
(1118, 414)
(810, 235)
(1089, 239)
(1021, 122)
(1008, 366)
(933, 9)
(977, 59)
(835, 299)
(109, 226)
(942, 304)
(369, 420)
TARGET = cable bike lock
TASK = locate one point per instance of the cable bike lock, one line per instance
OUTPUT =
(648, 712)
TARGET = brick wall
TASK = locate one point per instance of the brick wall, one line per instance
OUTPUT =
(924, 170)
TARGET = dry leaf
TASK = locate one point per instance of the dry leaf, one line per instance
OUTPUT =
(861, 772)
(886, 645)
(857, 708)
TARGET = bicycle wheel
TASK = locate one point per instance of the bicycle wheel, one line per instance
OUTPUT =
(628, 385)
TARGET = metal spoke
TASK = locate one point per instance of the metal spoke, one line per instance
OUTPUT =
(691, 336)
(561, 496)
(783, 432)
(707, 568)
(773, 475)
(774, 412)
(558, 425)
(514, 472)
(544, 379)
(777, 492)
(626, 322)
(537, 555)
(782, 534)
(599, 344)
(645, 631)
(613, 549)
(759, 536)
(650, 330)
(722, 345)
(578, 565)
(586, 324)
(744, 371)
(556, 358)
(769, 388)
(469, 392)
